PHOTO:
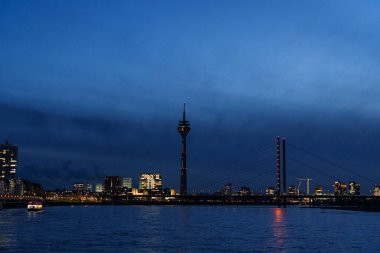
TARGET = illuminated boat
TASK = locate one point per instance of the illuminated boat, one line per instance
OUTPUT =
(34, 205)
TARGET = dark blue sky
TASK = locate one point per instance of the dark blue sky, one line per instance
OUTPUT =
(95, 88)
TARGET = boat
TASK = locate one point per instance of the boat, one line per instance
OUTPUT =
(35, 205)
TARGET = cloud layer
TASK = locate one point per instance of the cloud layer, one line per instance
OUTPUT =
(95, 89)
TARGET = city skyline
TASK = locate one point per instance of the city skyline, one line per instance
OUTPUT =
(11, 184)
(92, 90)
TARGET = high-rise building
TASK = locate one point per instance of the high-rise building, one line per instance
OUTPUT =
(150, 181)
(127, 182)
(269, 191)
(11, 186)
(183, 129)
(112, 184)
(376, 190)
(227, 189)
(318, 191)
(19, 187)
(244, 191)
(3, 186)
(354, 188)
(99, 187)
(340, 189)
(8, 161)
(292, 190)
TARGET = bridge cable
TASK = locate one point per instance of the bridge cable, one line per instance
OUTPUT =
(226, 174)
(332, 163)
(312, 168)
(233, 161)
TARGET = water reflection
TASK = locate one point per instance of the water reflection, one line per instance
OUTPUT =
(32, 215)
(164, 229)
(7, 236)
(150, 212)
(5, 241)
(151, 216)
(278, 228)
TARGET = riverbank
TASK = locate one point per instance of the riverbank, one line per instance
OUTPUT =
(370, 206)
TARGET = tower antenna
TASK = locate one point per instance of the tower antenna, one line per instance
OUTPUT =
(184, 112)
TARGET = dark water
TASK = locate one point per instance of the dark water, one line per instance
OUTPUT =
(188, 229)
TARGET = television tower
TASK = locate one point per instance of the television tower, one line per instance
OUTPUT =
(183, 129)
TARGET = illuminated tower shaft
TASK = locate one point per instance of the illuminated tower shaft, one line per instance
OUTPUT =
(183, 129)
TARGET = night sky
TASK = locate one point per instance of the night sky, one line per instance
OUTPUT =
(96, 88)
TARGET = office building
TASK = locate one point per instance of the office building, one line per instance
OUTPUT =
(78, 187)
(3, 186)
(8, 161)
(32, 189)
(99, 187)
(227, 189)
(245, 191)
(340, 189)
(19, 187)
(112, 184)
(318, 191)
(127, 182)
(292, 190)
(150, 181)
(82, 188)
(269, 191)
(376, 190)
(353, 188)
(11, 186)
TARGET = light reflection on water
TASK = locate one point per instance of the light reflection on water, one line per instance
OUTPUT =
(33, 214)
(6, 239)
(278, 227)
(187, 229)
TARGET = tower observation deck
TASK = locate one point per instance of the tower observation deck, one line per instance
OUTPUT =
(183, 129)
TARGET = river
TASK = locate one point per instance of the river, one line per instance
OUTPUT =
(188, 229)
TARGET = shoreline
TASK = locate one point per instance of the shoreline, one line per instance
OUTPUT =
(11, 205)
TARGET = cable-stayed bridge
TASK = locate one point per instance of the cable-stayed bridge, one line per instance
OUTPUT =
(261, 172)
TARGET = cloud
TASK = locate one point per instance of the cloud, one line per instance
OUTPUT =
(108, 92)
(58, 149)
